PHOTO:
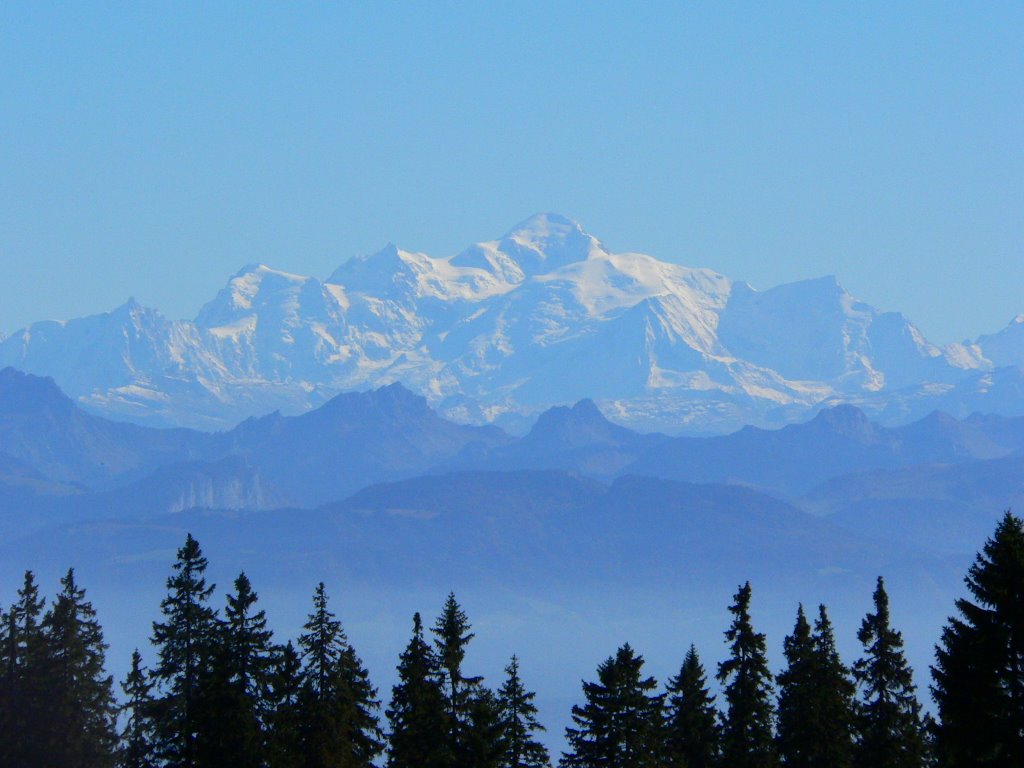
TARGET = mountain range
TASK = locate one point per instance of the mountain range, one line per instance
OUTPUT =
(543, 316)
(59, 463)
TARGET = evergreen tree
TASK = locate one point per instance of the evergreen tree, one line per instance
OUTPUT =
(834, 706)
(184, 641)
(796, 697)
(6, 695)
(8, 656)
(284, 744)
(692, 736)
(979, 671)
(518, 717)
(747, 740)
(619, 726)
(481, 744)
(452, 635)
(336, 704)
(136, 749)
(815, 699)
(80, 710)
(24, 705)
(418, 715)
(233, 698)
(889, 728)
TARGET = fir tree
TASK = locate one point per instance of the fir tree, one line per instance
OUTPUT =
(796, 696)
(24, 709)
(418, 715)
(815, 698)
(136, 749)
(6, 672)
(234, 692)
(284, 744)
(979, 671)
(452, 635)
(747, 740)
(80, 710)
(336, 700)
(619, 726)
(834, 705)
(518, 717)
(184, 642)
(8, 658)
(889, 728)
(481, 744)
(692, 736)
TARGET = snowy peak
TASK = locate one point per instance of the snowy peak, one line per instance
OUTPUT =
(378, 273)
(547, 241)
(539, 317)
(249, 290)
(1006, 347)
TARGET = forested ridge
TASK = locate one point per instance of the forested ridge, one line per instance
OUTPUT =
(221, 690)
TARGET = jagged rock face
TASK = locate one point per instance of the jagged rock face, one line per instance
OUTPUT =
(543, 316)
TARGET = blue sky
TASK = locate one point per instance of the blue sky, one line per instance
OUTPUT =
(152, 149)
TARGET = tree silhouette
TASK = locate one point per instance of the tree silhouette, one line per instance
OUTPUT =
(889, 727)
(979, 671)
(747, 740)
(619, 726)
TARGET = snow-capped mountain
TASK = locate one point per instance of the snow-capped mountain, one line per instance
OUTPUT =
(543, 316)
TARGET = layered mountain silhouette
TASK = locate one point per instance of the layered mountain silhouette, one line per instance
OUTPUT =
(543, 316)
(921, 483)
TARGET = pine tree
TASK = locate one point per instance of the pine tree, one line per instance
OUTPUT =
(692, 736)
(518, 717)
(418, 715)
(979, 671)
(619, 726)
(889, 727)
(136, 750)
(80, 710)
(184, 641)
(747, 740)
(336, 700)
(233, 697)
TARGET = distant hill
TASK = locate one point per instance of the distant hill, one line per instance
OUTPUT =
(522, 527)
(58, 462)
(97, 465)
(932, 507)
(836, 442)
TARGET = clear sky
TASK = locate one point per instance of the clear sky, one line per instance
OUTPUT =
(151, 149)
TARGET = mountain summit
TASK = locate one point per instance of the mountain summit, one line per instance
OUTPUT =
(544, 315)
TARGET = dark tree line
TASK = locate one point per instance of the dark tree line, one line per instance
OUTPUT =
(221, 691)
